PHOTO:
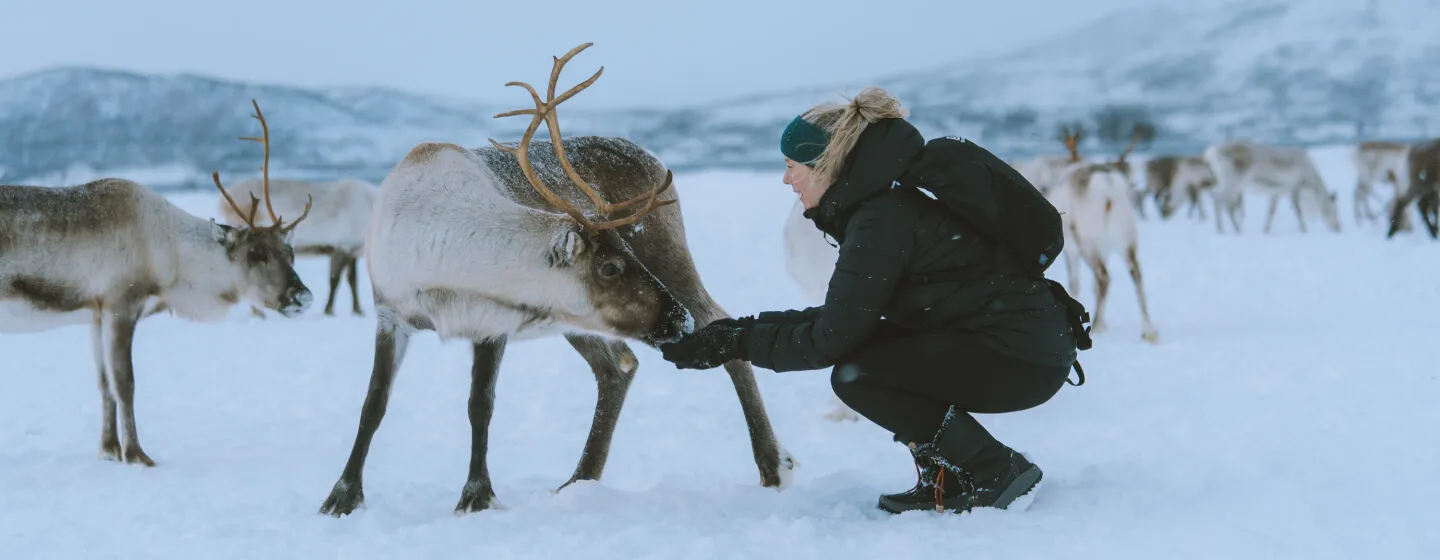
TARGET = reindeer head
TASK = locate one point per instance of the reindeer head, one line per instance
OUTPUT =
(264, 256)
(626, 299)
(1329, 210)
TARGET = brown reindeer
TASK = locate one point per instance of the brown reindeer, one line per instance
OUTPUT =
(102, 252)
(1423, 188)
(1170, 177)
(489, 245)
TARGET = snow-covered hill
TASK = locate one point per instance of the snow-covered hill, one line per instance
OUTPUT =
(1288, 71)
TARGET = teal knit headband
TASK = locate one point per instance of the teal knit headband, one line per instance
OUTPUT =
(803, 142)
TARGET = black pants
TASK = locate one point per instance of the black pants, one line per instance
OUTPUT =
(907, 383)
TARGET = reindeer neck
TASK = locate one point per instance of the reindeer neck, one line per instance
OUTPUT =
(198, 272)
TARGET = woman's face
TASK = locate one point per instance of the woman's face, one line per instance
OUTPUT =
(797, 175)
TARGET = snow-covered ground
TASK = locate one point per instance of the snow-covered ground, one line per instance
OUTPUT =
(1289, 411)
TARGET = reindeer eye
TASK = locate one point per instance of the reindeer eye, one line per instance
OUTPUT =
(611, 269)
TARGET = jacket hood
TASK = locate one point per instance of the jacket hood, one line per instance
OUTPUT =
(881, 155)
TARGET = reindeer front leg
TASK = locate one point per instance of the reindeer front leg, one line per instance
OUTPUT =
(775, 463)
(614, 365)
(1270, 216)
(118, 326)
(478, 493)
(1299, 214)
(391, 341)
(109, 440)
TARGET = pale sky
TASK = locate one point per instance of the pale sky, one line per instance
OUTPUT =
(655, 52)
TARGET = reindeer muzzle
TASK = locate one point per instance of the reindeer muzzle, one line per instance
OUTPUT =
(296, 301)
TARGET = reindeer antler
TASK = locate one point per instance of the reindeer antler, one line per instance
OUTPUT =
(276, 222)
(545, 111)
(1134, 138)
(1072, 142)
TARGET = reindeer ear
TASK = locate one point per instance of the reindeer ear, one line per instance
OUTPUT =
(568, 248)
(222, 234)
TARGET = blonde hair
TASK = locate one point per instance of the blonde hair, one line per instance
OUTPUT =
(845, 122)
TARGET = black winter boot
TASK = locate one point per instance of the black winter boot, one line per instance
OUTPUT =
(966, 472)
(923, 496)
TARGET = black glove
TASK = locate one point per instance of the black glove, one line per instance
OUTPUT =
(711, 346)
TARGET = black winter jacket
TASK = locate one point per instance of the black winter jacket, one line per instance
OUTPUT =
(889, 235)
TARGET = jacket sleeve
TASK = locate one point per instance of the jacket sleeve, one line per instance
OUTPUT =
(791, 316)
(866, 273)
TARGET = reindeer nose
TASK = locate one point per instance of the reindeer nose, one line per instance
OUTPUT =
(298, 298)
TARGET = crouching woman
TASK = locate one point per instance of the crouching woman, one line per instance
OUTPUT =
(923, 323)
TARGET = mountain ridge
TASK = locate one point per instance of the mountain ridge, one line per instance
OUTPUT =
(1281, 71)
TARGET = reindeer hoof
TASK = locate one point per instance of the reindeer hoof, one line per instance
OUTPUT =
(110, 450)
(136, 456)
(1150, 336)
(788, 464)
(344, 499)
(476, 497)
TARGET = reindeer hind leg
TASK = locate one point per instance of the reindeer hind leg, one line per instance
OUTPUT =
(1132, 258)
(1096, 261)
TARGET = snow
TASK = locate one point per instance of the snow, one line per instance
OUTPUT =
(1287, 412)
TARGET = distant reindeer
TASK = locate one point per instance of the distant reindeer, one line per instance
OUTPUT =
(810, 262)
(1098, 215)
(1273, 170)
(99, 252)
(1377, 162)
(476, 244)
(1183, 175)
(1044, 171)
(336, 228)
(1422, 180)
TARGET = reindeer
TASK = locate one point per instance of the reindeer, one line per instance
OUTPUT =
(102, 252)
(337, 228)
(1098, 216)
(476, 244)
(1422, 185)
(1273, 170)
(1377, 162)
(1189, 173)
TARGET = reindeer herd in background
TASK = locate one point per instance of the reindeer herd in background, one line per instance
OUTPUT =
(489, 244)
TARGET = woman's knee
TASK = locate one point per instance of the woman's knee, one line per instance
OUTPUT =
(846, 381)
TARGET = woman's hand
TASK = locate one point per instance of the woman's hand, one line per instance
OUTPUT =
(711, 346)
